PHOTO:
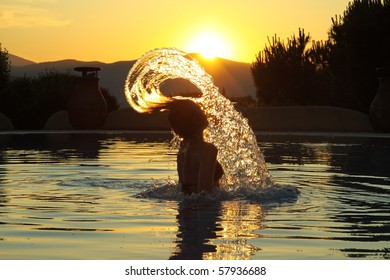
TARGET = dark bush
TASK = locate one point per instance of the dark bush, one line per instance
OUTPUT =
(29, 102)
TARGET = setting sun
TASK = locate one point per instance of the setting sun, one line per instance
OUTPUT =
(46, 30)
(209, 45)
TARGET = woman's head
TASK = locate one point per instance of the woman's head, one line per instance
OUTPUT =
(187, 118)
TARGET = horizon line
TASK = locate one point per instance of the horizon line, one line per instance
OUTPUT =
(111, 62)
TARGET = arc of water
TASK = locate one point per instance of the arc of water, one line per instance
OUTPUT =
(228, 130)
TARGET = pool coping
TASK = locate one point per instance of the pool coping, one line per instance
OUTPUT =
(269, 119)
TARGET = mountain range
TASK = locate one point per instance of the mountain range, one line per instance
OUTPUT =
(234, 78)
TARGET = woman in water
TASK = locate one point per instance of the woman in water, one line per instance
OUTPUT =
(197, 165)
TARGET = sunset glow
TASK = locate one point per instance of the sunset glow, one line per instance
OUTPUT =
(109, 31)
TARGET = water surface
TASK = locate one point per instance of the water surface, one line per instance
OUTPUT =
(77, 196)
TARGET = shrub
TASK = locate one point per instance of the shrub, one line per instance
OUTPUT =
(29, 102)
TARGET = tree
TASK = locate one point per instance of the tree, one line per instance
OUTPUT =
(359, 43)
(291, 73)
(5, 67)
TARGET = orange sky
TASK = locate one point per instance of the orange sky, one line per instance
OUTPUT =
(113, 30)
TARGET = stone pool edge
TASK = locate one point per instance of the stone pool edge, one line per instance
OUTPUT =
(267, 118)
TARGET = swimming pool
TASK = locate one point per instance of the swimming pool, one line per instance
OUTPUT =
(72, 195)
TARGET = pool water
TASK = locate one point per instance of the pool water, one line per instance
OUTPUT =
(82, 196)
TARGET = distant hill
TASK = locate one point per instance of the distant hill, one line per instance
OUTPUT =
(234, 77)
(19, 61)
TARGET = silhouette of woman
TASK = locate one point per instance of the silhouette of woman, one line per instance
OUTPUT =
(197, 165)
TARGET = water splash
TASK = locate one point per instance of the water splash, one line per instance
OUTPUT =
(228, 130)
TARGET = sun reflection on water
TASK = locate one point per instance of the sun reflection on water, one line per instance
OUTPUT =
(215, 230)
(239, 223)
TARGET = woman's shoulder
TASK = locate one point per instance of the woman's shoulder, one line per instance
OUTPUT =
(199, 146)
(209, 147)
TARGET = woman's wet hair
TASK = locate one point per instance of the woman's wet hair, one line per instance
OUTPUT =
(187, 118)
